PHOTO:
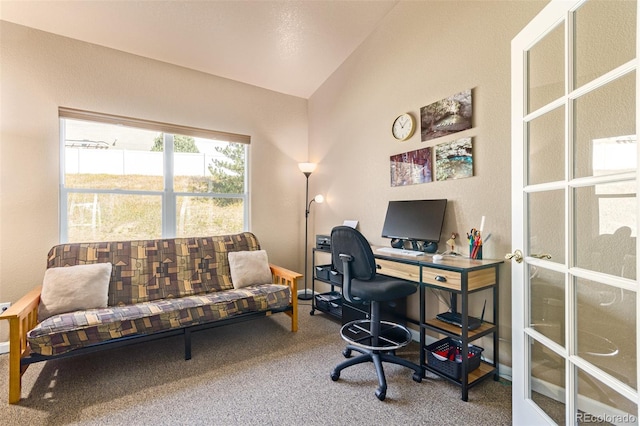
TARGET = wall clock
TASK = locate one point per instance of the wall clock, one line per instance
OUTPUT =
(403, 127)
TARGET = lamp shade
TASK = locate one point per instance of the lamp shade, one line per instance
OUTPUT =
(307, 167)
(318, 198)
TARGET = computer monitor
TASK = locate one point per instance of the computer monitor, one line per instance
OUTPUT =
(416, 221)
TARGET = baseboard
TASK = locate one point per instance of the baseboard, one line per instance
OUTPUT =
(4, 347)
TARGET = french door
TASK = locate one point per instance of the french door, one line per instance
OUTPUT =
(575, 215)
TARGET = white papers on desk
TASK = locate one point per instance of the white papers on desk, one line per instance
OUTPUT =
(351, 223)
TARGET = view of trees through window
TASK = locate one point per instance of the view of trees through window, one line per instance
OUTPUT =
(120, 184)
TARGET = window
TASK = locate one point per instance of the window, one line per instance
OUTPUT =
(616, 201)
(125, 179)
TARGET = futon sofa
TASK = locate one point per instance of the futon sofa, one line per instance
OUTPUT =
(109, 294)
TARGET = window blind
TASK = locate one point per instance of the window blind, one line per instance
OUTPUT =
(76, 114)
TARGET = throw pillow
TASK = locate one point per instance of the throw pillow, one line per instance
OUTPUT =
(249, 268)
(73, 288)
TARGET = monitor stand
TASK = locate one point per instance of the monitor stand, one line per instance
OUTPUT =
(397, 243)
(426, 247)
(430, 247)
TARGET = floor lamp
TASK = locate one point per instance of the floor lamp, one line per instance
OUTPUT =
(307, 169)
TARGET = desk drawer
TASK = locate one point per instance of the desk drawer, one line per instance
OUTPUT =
(442, 278)
(446, 279)
(399, 270)
(453, 280)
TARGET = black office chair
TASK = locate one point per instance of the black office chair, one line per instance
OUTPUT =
(376, 340)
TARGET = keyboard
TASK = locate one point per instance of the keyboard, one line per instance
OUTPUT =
(404, 252)
(456, 319)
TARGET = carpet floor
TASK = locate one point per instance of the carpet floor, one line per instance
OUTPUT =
(252, 373)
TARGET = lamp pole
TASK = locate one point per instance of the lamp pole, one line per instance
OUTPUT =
(307, 169)
(306, 295)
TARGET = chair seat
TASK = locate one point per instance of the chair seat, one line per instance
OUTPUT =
(392, 336)
(381, 289)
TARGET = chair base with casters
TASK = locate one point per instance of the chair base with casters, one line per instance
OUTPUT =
(377, 342)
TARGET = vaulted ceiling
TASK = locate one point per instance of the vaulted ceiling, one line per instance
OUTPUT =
(290, 47)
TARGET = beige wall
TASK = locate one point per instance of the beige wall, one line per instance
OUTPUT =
(421, 53)
(40, 72)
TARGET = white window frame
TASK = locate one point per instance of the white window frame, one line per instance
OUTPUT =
(168, 195)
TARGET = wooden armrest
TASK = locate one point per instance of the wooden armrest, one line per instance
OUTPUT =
(22, 317)
(287, 277)
(280, 272)
(28, 303)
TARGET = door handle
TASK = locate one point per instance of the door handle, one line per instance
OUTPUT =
(541, 256)
(516, 255)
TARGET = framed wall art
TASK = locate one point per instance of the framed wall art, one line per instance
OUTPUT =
(454, 160)
(412, 167)
(447, 116)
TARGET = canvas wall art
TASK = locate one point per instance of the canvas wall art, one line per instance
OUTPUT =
(454, 160)
(447, 116)
(411, 168)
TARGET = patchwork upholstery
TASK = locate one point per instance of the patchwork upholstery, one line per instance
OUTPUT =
(147, 270)
(156, 285)
(65, 332)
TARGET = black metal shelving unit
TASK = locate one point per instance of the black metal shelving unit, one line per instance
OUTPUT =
(463, 278)
(332, 308)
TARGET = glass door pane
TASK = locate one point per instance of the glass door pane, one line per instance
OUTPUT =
(546, 81)
(546, 224)
(547, 379)
(548, 303)
(599, 404)
(605, 127)
(606, 228)
(546, 147)
(606, 329)
(605, 38)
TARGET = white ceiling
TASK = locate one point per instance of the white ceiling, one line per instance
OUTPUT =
(290, 47)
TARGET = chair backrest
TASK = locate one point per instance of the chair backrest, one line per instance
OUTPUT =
(347, 240)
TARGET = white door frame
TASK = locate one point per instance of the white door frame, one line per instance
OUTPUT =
(525, 411)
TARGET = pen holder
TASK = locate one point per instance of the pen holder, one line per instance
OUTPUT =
(475, 251)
